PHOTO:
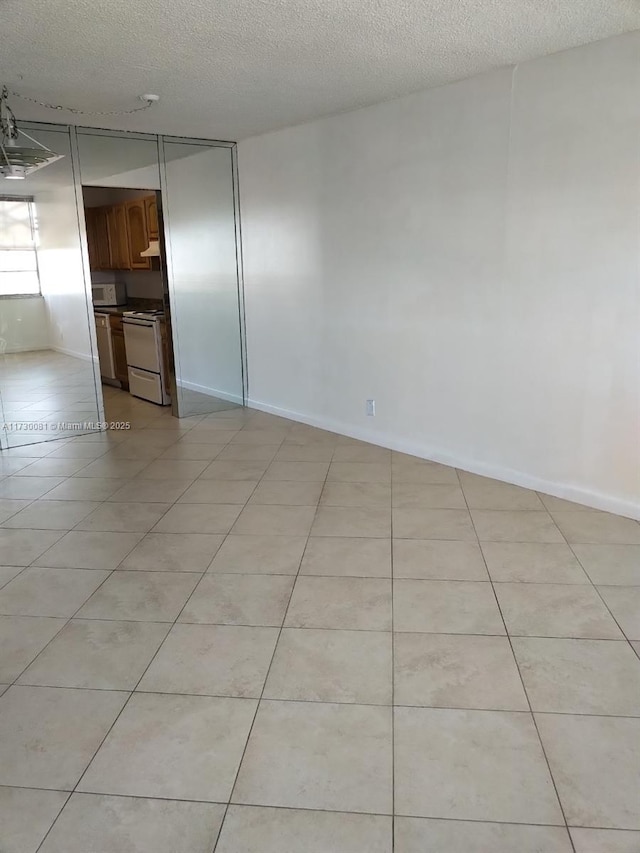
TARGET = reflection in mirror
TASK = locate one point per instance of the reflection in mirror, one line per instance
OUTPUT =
(47, 346)
(120, 187)
(199, 217)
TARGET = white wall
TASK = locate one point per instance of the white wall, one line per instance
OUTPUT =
(23, 324)
(469, 257)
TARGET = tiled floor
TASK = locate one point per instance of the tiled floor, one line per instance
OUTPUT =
(244, 634)
(40, 391)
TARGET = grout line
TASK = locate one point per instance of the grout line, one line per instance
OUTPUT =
(524, 688)
(266, 678)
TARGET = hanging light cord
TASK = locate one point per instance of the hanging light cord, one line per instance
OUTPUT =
(75, 111)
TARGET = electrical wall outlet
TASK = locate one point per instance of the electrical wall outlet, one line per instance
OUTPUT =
(371, 408)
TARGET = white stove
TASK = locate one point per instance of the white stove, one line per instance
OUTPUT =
(145, 356)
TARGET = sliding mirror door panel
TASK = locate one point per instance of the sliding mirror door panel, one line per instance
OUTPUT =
(47, 345)
(200, 232)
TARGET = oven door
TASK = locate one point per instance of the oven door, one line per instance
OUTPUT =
(141, 344)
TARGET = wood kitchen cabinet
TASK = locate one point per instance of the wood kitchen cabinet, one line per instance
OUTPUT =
(119, 351)
(102, 248)
(151, 210)
(117, 234)
(138, 234)
(118, 237)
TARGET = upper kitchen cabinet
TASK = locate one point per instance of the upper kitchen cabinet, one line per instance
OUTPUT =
(102, 249)
(119, 237)
(118, 233)
(151, 209)
(136, 212)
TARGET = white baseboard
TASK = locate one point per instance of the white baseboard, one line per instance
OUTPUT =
(12, 350)
(212, 392)
(597, 500)
(81, 355)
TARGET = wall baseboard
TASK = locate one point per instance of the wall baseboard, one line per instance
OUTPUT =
(212, 392)
(81, 355)
(597, 500)
(11, 350)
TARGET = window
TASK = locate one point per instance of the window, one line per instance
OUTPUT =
(18, 247)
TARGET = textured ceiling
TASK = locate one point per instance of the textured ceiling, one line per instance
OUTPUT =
(228, 69)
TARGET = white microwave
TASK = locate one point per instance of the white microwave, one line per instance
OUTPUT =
(105, 295)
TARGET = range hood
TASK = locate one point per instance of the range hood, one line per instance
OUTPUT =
(153, 251)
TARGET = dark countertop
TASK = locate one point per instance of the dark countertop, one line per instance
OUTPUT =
(132, 305)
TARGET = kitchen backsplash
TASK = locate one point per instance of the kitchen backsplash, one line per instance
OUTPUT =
(140, 284)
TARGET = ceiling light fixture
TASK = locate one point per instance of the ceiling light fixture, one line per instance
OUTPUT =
(18, 161)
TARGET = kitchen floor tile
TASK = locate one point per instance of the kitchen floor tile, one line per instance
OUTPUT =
(624, 604)
(151, 491)
(359, 472)
(198, 518)
(428, 496)
(598, 527)
(136, 825)
(7, 573)
(173, 469)
(255, 829)
(605, 840)
(517, 526)
(447, 671)
(367, 522)
(259, 600)
(420, 523)
(421, 835)
(332, 666)
(94, 654)
(356, 494)
(21, 639)
(257, 555)
(445, 607)
(438, 560)
(89, 550)
(340, 602)
(174, 747)
(173, 552)
(85, 489)
(472, 765)
(140, 596)
(231, 469)
(248, 452)
(580, 676)
(22, 547)
(49, 592)
(49, 735)
(532, 562)
(219, 492)
(595, 763)
(484, 493)
(27, 488)
(275, 520)
(318, 756)
(610, 564)
(214, 660)
(347, 557)
(51, 515)
(297, 471)
(287, 493)
(124, 517)
(26, 816)
(555, 610)
(304, 453)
